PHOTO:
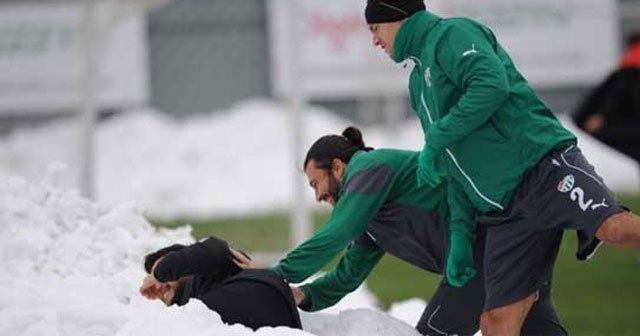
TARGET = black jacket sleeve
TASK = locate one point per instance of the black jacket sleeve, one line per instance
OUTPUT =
(211, 256)
(617, 99)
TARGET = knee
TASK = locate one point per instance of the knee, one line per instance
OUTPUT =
(492, 319)
(504, 320)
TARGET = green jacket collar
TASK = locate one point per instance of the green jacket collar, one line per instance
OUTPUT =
(412, 35)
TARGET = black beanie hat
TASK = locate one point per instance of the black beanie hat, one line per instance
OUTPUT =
(380, 11)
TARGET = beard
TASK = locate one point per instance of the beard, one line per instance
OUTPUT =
(334, 188)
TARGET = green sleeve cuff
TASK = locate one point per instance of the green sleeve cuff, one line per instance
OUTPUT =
(307, 302)
(278, 271)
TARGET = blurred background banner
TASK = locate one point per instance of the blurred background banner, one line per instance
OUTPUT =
(336, 57)
(41, 57)
(199, 113)
(554, 43)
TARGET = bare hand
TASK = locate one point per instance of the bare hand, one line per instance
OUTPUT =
(242, 261)
(594, 123)
(151, 288)
(298, 295)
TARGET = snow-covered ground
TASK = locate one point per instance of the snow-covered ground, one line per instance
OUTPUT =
(231, 162)
(73, 267)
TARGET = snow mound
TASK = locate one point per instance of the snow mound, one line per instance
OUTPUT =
(357, 322)
(231, 162)
(74, 267)
(408, 311)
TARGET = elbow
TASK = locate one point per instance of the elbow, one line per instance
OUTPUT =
(498, 92)
(502, 94)
(492, 97)
(490, 86)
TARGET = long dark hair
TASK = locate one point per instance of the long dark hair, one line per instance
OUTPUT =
(334, 146)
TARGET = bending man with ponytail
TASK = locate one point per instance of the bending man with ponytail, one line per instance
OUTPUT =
(379, 208)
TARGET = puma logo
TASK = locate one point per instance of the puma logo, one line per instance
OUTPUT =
(600, 205)
(470, 51)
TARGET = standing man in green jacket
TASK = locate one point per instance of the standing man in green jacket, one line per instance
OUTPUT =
(379, 208)
(508, 163)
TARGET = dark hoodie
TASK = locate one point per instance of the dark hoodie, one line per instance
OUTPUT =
(206, 271)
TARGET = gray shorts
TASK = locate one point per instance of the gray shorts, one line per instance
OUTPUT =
(562, 192)
(456, 310)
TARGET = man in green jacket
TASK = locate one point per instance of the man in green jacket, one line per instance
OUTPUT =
(379, 208)
(508, 163)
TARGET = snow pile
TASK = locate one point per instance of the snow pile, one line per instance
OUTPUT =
(408, 311)
(358, 322)
(232, 162)
(73, 268)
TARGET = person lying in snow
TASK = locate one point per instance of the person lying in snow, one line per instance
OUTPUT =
(206, 271)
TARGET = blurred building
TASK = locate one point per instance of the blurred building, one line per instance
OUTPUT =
(205, 55)
(188, 37)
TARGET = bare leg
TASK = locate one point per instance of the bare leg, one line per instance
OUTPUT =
(622, 230)
(507, 320)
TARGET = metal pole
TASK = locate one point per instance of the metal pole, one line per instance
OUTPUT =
(393, 115)
(88, 77)
(300, 217)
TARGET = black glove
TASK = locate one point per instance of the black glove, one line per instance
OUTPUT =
(151, 258)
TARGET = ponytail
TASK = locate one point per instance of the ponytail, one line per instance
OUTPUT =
(330, 147)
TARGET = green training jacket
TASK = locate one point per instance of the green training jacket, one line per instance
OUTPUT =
(484, 126)
(380, 209)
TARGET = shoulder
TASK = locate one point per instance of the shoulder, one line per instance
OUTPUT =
(363, 160)
(390, 157)
(461, 23)
(369, 171)
(461, 37)
(461, 28)
(367, 175)
(451, 32)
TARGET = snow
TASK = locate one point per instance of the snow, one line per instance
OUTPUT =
(73, 267)
(359, 322)
(408, 311)
(232, 162)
